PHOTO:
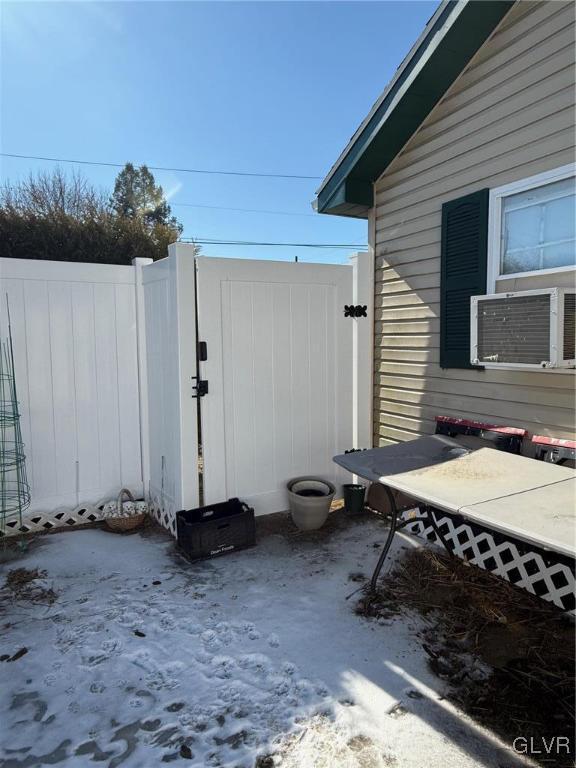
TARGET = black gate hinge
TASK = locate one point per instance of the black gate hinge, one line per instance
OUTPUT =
(358, 310)
(201, 387)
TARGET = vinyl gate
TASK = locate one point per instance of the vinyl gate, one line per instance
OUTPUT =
(286, 376)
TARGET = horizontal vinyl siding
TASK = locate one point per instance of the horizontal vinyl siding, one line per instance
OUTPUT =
(509, 115)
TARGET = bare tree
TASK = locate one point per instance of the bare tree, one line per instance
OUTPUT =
(53, 196)
(63, 217)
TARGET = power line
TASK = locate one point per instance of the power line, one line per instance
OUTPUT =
(212, 241)
(163, 168)
(245, 210)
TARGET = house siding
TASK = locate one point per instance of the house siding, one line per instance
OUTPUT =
(509, 115)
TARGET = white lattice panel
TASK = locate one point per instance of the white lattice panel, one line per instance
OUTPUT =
(164, 512)
(39, 522)
(545, 574)
(66, 518)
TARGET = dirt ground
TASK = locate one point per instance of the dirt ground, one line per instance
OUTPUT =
(507, 656)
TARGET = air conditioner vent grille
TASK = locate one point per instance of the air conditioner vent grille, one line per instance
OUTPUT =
(569, 326)
(514, 329)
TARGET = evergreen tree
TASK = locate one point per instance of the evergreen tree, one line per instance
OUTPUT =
(137, 196)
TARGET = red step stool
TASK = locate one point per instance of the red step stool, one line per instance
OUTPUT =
(554, 449)
(507, 439)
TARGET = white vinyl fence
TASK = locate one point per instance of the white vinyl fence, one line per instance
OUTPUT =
(75, 335)
(106, 364)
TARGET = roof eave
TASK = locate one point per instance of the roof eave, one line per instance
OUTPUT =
(452, 37)
(352, 197)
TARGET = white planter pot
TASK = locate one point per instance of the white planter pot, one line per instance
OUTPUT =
(309, 499)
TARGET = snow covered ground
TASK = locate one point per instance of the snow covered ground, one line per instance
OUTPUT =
(255, 658)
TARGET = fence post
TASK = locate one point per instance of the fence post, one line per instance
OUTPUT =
(138, 264)
(185, 308)
(363, 349)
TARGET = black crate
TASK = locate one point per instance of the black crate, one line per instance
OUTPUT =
(215, 529)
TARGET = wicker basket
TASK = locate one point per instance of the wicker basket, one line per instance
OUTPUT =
(125, 523)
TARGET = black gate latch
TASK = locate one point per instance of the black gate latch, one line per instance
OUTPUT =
(202, 351)
(201, 387)
(360, 310)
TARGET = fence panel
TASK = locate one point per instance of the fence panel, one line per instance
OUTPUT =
(75, 337)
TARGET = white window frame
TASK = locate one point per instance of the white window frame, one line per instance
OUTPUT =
(495, 224)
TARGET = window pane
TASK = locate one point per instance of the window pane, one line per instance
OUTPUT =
(538, 229)
(526, 260)
(559, 219)
(522, 228)
(558, 255)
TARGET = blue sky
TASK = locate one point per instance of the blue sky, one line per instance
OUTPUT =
(273, 87)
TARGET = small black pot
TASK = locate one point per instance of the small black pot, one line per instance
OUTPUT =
(354, 498)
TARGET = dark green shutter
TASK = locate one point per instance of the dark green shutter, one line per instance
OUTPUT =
(463, 273)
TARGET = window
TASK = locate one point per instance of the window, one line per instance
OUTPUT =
(532, 225)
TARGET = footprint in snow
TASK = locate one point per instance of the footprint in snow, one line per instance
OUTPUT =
(279, 684)
(151, 725)
(232, 693)
(195, 719)
(273, 641)
(223, 666)
(191, 627)
(167, 623)
(249, 629)
(142, 659)
(288, 668)
(166, 678)
(203, 658)
(224, 632)
(256, 662)
(304, 688)
(129, 619)
(210, 639)
(93, 658)
(111, 646)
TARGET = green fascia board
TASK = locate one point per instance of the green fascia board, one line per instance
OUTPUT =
(350, 198)
(433, 68)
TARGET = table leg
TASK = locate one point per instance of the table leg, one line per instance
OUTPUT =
(388, 544)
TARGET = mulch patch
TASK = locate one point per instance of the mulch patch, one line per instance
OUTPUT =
(506, 655)
(28, 584)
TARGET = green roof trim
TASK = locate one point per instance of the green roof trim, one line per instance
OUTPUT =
(454, 34)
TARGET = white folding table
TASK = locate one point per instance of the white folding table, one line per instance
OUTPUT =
(532, 501)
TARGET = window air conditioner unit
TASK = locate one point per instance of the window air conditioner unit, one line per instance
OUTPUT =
(524, 329)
